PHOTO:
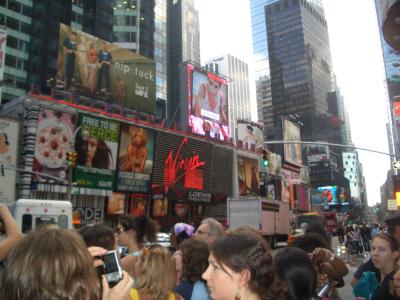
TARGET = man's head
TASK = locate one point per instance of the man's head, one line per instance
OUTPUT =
(393, 223)
(104, 46)
(73, 36)
(209, 230)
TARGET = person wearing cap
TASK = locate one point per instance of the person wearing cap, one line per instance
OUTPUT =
(393, 225)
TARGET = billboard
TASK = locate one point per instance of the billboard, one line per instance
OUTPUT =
(135, 159)
(208, 104)
(316, 153)
(97, 146)
(328, 194)
(116, 204)
(248, 176)
(100, 69)
(9, 133)
(3, 41)
(274, 164)
(292, 152)
(54, 138)
(250, 135)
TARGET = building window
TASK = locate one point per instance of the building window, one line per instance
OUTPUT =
(14, 6)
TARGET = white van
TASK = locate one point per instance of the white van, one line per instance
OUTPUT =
(31, 213)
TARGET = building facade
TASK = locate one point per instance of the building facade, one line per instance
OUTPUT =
(237, 73)
(264, 104)
(183, 45)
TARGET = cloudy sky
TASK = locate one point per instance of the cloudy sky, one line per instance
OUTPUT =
(225, 27)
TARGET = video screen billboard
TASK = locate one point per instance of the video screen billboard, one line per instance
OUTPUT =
(135, 160)
(54, 138)
(208, 104)
(248, 176)
(96, 144)
(101, 69)
(9, 133)
(292, 152)
(250, 135)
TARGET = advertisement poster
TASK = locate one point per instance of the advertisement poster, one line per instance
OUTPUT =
(138, 204)
(98, 68)
(248, 176)
(275, 164)
(135, 159)
(96, 145)
(292, 152)
(160, 207)
(116, 204)
(9, 133)
(3, 42)
(208, 104)
(250, 135)
(316, 154)
(54, 138)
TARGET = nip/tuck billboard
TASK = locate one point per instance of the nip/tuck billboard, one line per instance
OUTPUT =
(208, 104)
(97, 146)
(100, 69)
(54, 138)
(9, 133)
(250, 135)
(135, 160)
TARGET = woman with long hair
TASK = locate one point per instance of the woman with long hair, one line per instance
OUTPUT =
(94, 153)
(240, 267)
(156, 279)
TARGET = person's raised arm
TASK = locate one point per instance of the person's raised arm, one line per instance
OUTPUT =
(12, 231)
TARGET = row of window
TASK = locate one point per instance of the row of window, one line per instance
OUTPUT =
(16, 62)
(17, 7)
(18, 44)
(12, 23)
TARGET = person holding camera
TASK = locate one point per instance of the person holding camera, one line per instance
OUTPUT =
(11, 229)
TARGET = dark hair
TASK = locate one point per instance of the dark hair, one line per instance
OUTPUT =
(101, 158)
(309, 241)
(74, 33)
(194, 259)
(241, 251)
(142, 225)
(295, 268)
(319, 229)
(394, 246)
(98, 235)
(50, 263)
(250, 128)
(6, 137)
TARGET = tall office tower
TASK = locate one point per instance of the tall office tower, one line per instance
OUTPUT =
(300, 63)
(264, 104)
(183, 40)
(391, 59)
(17, 17)
(237, 73)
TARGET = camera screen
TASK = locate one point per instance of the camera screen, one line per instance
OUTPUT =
(110, 261)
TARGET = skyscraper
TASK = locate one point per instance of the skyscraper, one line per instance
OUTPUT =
(264, 104)
(237, 73)
(183, 45)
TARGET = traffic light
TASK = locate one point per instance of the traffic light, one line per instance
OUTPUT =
(71, 158)
(265, 158)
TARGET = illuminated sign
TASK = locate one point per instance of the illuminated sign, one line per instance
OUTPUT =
(188, 167)
(396, 109)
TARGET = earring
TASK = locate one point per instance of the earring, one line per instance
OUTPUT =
(238, 295)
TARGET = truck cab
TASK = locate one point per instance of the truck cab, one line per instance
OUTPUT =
(31, 213)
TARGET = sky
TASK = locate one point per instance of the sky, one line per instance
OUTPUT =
(225, 27)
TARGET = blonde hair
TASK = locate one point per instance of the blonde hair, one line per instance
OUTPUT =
(157, 277)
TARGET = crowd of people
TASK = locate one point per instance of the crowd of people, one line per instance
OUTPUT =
(207, 262)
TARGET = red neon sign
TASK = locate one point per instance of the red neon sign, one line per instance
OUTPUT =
(187, 167)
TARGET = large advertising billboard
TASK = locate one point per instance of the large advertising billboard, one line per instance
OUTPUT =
(135, 160)
(96, 144)
(9, 133)
(316, 154)
(98, 68)
(292, 152)
(248, 176)
(54, 138)
(208, 104)
(250, 135)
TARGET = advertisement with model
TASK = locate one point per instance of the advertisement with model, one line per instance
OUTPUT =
(9, 133)
(97, 146)
(208, 104)
(292, 152)
(135, 160)
(100, 69)
(250, 135)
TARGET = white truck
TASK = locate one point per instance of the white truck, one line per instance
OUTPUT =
(269, 217)
(31, 213)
